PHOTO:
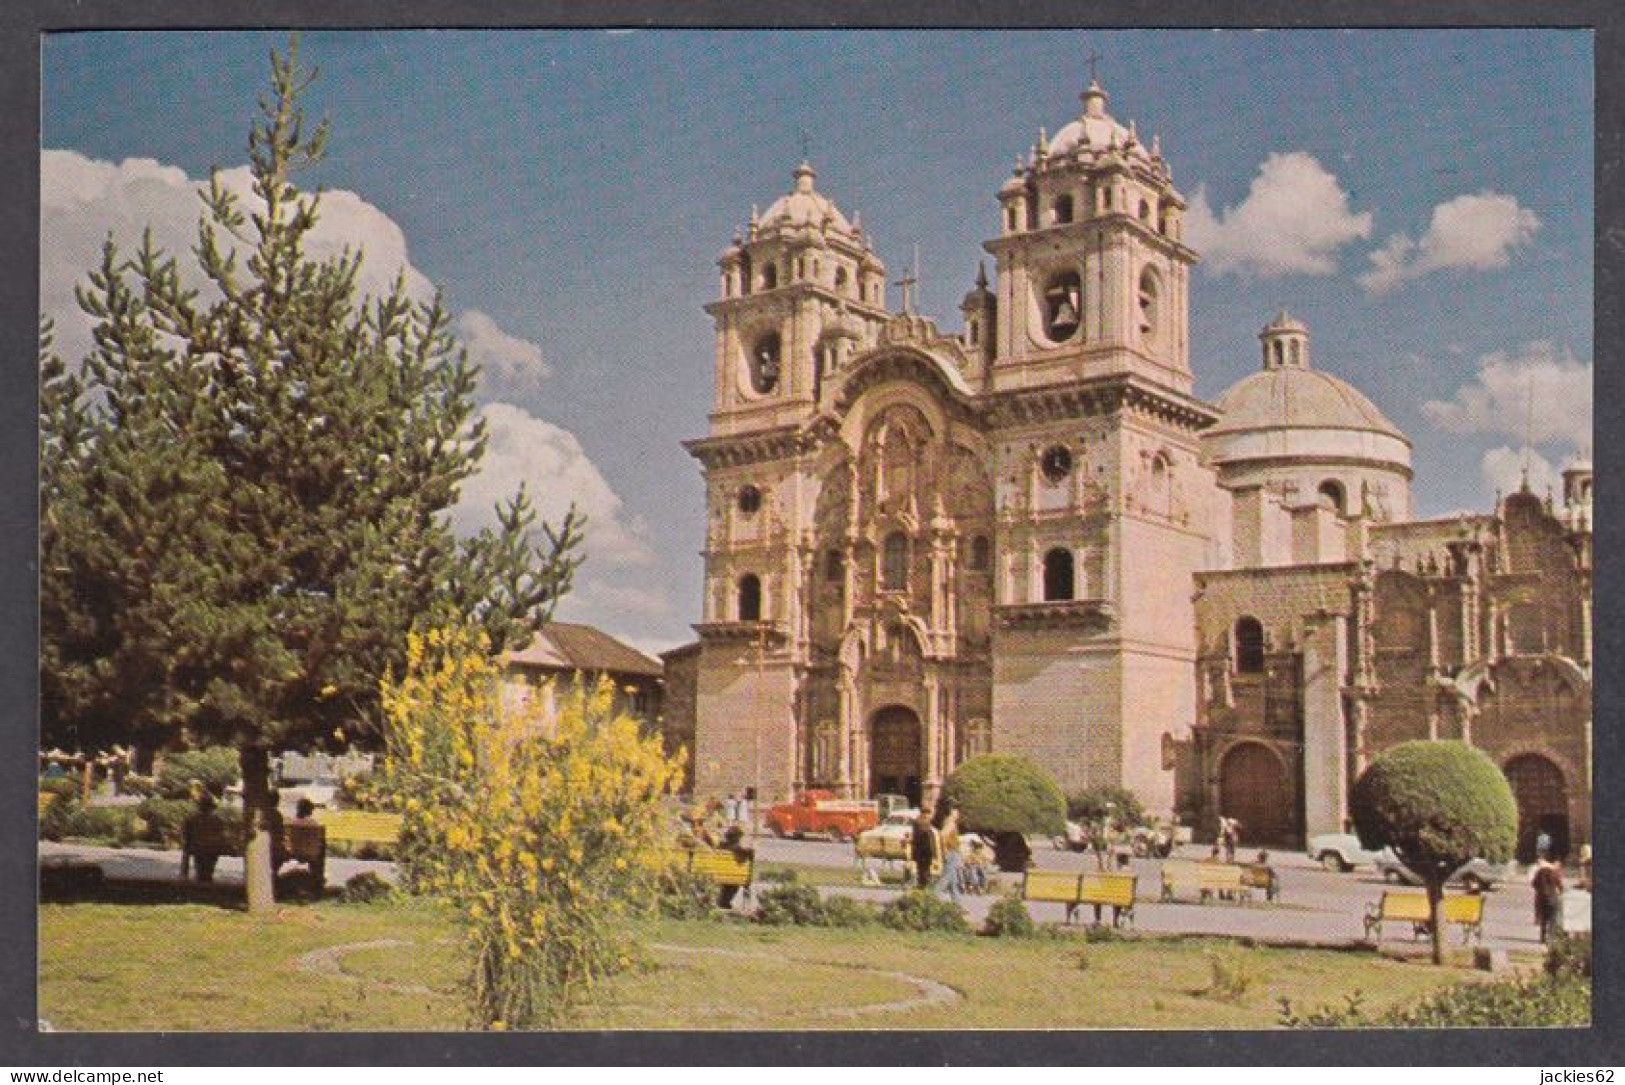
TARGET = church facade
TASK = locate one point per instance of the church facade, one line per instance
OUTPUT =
(1029, 536)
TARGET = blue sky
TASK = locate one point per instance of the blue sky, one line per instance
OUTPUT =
(570, 191)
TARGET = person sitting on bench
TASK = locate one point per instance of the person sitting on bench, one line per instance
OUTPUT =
(733, 841)
(204, 824)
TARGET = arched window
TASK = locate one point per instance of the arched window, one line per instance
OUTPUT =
(894, 563)
(840, 278)
(834, 566)
(1063, 306)
(1063, 209)
(980, 556)
(765, 363)
(750, 598)
(1058, 578)
(1145, 211)
(1249, 646)
(1332, 491)
(1150, 300)
(770, 277)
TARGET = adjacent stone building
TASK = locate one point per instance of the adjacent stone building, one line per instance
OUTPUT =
(1030, 536)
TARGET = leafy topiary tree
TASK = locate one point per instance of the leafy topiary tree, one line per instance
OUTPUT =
(1095, 803)
(1006, 797)
(1437, 804)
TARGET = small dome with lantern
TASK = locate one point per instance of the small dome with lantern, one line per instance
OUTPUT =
(1095, 130)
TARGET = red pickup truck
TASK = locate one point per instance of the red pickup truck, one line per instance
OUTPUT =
(821, 812)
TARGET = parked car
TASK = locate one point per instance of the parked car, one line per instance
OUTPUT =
(821, 812)
(889, 839)
(1340, 852)
(1475, 875)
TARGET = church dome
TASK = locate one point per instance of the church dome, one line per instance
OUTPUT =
(1307, 435)
(1288, 394)
(1298, 399)
(1095, 130)
(804, 206)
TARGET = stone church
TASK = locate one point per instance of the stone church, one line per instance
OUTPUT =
(1029, 536)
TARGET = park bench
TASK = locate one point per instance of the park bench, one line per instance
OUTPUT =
(45, 800)
(1206, 879)
(1259, 876)
(722, 867)
(1098, 889)
(377, 827)
(305, 844)
(1465, 910)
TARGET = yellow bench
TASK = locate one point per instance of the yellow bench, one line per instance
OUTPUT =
(722, 867)
(46, 798)
(1262, 877)
(361, 826)
(1204, 879)
(1465, 910)
(1098, 889)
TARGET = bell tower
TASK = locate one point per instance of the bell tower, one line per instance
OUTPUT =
(801, 293)
(1093, 278)
(1105, 509)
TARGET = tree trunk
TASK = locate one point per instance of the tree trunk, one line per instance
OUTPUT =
(257, 874)
(1436, 910)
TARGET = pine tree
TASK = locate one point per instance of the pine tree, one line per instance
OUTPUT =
(253, 510)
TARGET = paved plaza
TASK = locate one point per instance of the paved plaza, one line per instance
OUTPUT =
(1316, 906)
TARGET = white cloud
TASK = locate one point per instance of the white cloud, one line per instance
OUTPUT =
(1503, 470)
(1475, 232)
(83, 199)
(512, 368)
(1540, 387)
(1295, 218)
(549, 459)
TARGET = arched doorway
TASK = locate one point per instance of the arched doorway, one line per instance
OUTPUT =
(894, 753)
(1253, 790)
(1543, 803)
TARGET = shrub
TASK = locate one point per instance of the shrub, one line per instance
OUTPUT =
(143, 787)
(1569, 955)
(684, 895)
(165, 818)
(115, 823)
(60, 786)
(1101, 933)
(1518, 1002)
(1231, 975)
(1004, 793)
(779, 876)
(548, 836)
(214, 768)
(1437, 804)
(57, 818)
(1094, 803)
(847, 912)
(922, 910)
(366, 888)
(790, 905)
(1008, 918)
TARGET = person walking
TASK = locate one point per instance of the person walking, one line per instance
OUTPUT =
(1548, 885)
(948, 846)
(924, 848)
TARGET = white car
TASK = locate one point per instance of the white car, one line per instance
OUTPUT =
(1340, 852)
(889, 839)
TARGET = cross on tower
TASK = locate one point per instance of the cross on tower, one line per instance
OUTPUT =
(805, 144)
(910, 281)
(1093, 58)
(907, 282)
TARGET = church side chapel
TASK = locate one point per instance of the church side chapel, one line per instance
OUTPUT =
(1029, 536)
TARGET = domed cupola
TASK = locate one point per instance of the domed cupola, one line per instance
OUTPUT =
(802, 291)
(1308, 436)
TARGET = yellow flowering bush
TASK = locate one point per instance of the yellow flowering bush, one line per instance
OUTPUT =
(546, 833)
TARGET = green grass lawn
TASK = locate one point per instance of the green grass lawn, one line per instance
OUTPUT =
(199, 967)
